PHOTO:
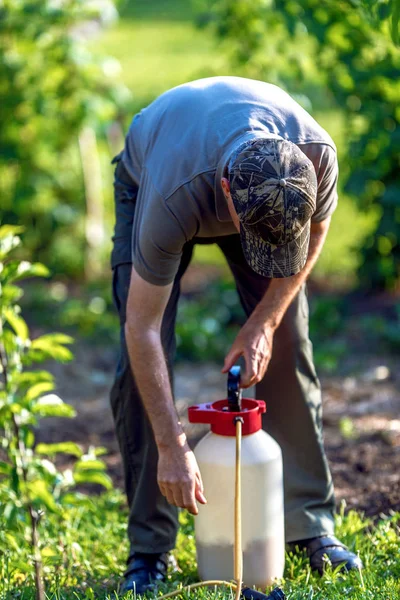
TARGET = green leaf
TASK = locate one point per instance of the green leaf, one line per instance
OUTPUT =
(29, 438)
(59, 448)
(11, 540)
(5, 468)
(6, 230)
(38, 354)
(89, 465)
(38, 492)
(51, 346)
(75, 499)
(48, 552)
(38, 389)
(394, 25)
(14, 481)
(56, 338)
(16, 270)
(90, 594)
(93, 477)
(10, 294)
(51, 405)
(17, 323)
(30, 378)
(27, 269)
(10, 512)
(98, 450)
(23, 416)
(46, 467)
(7, 244)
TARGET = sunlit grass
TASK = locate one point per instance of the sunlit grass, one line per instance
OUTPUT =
(158, 55)
(159, 47)
(85, 556)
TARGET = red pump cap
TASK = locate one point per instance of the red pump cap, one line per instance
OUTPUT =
(223, 420)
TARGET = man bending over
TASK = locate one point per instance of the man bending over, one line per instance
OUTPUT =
(238, 163)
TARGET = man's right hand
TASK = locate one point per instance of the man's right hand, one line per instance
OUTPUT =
(179, 477)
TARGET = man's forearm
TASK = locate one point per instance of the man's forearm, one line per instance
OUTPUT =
(271, 309)
(178, 475)
(151, 374)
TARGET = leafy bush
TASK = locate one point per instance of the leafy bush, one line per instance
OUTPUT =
(80, 310)
(385, 330)
(347, 49)
(30, 483)
(207, 325)
(361, 67)
(50, 88)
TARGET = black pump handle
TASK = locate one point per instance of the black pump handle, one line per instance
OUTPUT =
(234, 390)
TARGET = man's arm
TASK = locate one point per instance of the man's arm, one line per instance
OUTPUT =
(254, 340)
(178, 474)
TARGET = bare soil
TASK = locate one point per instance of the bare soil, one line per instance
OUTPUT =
(361, 406)
(361, 420)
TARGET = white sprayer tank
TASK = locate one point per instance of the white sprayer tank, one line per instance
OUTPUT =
(263, 539)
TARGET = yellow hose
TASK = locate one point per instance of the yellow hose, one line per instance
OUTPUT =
(238, 555)
(197, 585)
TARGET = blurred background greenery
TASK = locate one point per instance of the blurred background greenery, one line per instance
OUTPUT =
(72, 75)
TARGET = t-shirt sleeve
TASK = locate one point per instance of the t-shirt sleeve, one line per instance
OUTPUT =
(157, 237)
(327, 172)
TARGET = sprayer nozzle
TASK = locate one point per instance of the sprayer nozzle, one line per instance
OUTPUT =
(234, 391)
(249, 594)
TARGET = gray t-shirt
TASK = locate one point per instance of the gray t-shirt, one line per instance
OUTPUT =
(176, 150)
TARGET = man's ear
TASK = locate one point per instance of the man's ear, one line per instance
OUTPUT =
(226, 188)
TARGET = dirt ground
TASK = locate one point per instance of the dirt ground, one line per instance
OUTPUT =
(361, 420)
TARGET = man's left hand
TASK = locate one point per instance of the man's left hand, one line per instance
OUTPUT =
(254, 343)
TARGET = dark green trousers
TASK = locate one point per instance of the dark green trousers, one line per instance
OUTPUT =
(290, 388)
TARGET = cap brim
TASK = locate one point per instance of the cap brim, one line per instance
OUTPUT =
(275, 261)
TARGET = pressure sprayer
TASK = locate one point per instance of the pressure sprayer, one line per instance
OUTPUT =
(230, 464)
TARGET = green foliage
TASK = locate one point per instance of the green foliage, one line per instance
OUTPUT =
(362, 68)
(172, 49)
(208, 323)
(327, 316)
(257, 42)
(50, 87)
(384, 10)
(346, 49)
(84, 559)
(207, 326)
(85, 311)
(89, 560)
(386, 330)
(30, 483)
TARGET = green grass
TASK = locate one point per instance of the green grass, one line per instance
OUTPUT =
(84, 558)
(159, 46)
(142, 52)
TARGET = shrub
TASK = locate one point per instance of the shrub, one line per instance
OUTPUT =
(30, 483)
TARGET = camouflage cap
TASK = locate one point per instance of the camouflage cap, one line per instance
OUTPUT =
(274, 188)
